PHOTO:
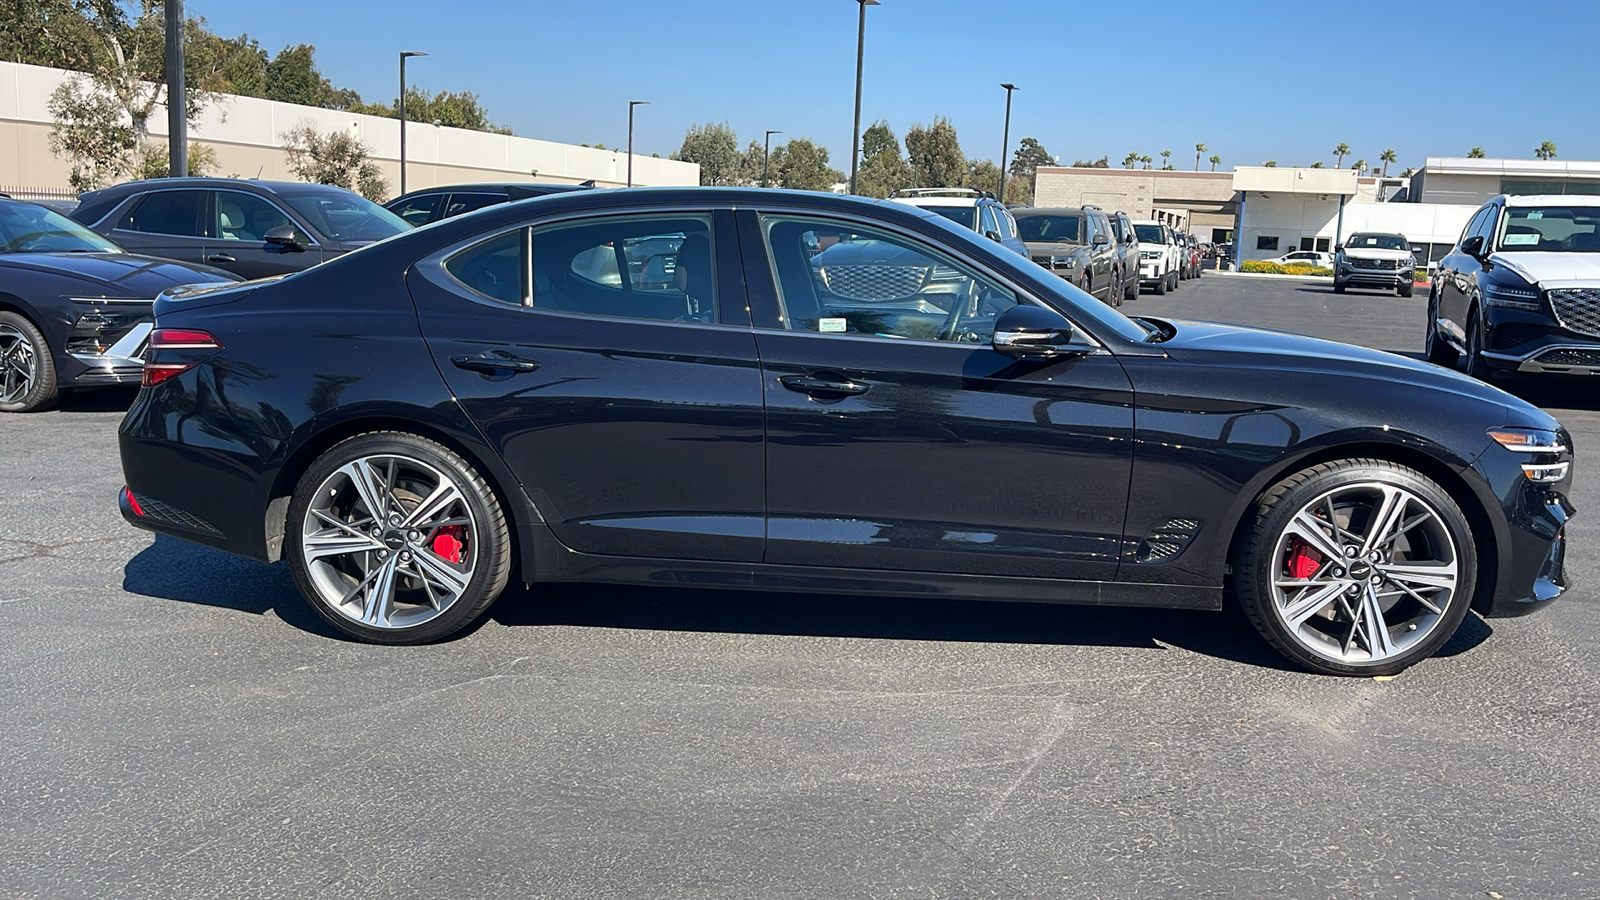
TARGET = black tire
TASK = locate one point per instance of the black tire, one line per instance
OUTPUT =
(23, 345)
(1130, 286)
(1405, 290)
(1437, 349)
(1338, 286)
(1161, 285)
(1174, 279)
(1115, 292)
(1086, 284)
(1260, 567)
(1477, 366)
(485, 532)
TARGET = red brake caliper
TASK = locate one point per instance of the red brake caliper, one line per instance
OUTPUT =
(450, 543)
(1304, 560)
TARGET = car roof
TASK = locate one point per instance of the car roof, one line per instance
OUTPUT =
(505, 186)
(1552, 199)
(245, 184)
(940, 201)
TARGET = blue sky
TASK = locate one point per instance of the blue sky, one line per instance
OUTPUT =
(1253, 80)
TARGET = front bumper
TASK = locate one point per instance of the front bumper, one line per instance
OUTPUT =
(1152, 270)
(121, 363)
(1533, 341)
(1532, 552)
(1376, 278)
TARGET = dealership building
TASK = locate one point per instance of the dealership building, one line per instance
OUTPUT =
(246, 134)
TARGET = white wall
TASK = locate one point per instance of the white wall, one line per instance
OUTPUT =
(246, 133)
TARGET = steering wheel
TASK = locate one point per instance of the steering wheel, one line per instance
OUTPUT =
(967, 300)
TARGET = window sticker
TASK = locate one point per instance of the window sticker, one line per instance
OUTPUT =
(1520, 240)
(832, 324)
(1536, 214)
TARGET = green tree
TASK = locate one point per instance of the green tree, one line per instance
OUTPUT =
(883, 169)
(1146, 160)
(982, 175)
(801, 165)
(202, 161)
(451, 109)
(715, 148)
(1030, 155)
(1131, 160)
(935, 155)
(292, 77)
(335, 158)
(1271, 164)
(1199, 149)
(1475, 153)
(1387, 156)
(1359, 165)
(750, 163)
(1546, 150)
(1103, 162)
(47, 33)
(1214, 160)
(90, 135)
(1166, 157)
(1341, 152)
(1317, 165)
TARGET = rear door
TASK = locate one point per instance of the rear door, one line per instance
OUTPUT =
(609, 359)
(171, 224)
(899, 439)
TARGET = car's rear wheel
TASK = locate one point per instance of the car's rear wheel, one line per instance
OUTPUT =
(1437, 349)
(27, 370)
(1114, 293)
(1357, 567)
(395, 539)
(1161, 285)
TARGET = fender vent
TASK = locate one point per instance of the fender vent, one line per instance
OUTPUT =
(1167, 542)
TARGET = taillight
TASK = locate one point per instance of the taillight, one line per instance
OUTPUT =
(155, 371)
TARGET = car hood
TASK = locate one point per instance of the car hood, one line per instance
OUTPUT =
(1281, 351)
(126, 274)
(1375, 253)
(1054, 248)
(1551, 269)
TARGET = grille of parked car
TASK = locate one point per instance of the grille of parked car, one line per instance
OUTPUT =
(1569, 357)
(873, 282)
(1577, 309)
(1359, 263)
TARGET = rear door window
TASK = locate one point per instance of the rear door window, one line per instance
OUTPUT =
(177, 213)
(465, 203)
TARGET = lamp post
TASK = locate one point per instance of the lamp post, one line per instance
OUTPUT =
(631, 105)
(403, 55)
(766, 156)
(177, 101)
(861, 43)
(1007, 139)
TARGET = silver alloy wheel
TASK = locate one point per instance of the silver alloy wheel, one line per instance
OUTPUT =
(389, 541)
(18, 367)
(1364, 572)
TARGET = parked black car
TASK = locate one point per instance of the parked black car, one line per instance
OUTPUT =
(931, 415)
(251, 228)
(1521, 289)
(435, 203)
(74, 308)
(1077, 244)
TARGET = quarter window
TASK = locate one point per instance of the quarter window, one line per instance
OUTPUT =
(492, 268)
(851, 280)
(176, 213)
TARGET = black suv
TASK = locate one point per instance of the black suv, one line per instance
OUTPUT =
(1077, 243)
(1521, 289)
(435, 203)
(250, 228)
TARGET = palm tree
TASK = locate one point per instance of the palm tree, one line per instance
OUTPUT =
(1547, 150)
(1475, 153)
(1318, 165)
(1166, 155)
(1199, 149)
(1388, 157)
(1359, 165)
(1214, 160)
(1131, 160)
(1146, 160)
(1341, 151)
(1271, 164)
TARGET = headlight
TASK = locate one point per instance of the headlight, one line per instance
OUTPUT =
(1515, 296)
(1063, 262)
(1546, 465)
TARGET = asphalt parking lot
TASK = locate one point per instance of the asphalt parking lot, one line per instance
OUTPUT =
(175, 723)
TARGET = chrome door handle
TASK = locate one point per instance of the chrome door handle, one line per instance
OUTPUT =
(220, 258)
(495, 362)
(806, 384)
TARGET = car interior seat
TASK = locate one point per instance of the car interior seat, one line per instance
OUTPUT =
(231, 220)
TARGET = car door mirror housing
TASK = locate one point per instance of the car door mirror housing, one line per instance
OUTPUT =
(1338, 248)
(283, 236)
(992, 235)
(1033, 332)
(1101, 240)
(1473, 246)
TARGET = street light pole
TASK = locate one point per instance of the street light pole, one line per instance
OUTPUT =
(403, 55)
(631, 105)
(861, 44)
(766, 157)
(1007, 141)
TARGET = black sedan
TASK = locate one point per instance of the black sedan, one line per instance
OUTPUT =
(525, 392)
(74, 308)
(432, 204)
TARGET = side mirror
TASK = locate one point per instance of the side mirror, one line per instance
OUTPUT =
(1101, 240)
(1338, 248)
(992, 235)
(1033, 332)
(284, 236)
(1473, 246)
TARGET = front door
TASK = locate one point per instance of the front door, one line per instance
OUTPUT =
(614, 369)
(238, 237)
(898, 439)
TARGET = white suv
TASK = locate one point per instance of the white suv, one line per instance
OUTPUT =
(1160, 255)
(977, 210)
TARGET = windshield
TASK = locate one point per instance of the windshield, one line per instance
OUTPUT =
(961, 215)
(26, 228)
(1558, 229)
(1063, 229)
(1378, 242)
(1150, 234)
(346, 217)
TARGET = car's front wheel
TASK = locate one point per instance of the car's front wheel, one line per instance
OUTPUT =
(27, 370)
(395, 539)
(1438, 350)
(1356, 567)
(1477, 366)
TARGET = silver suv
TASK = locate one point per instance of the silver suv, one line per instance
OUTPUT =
(978, 210)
